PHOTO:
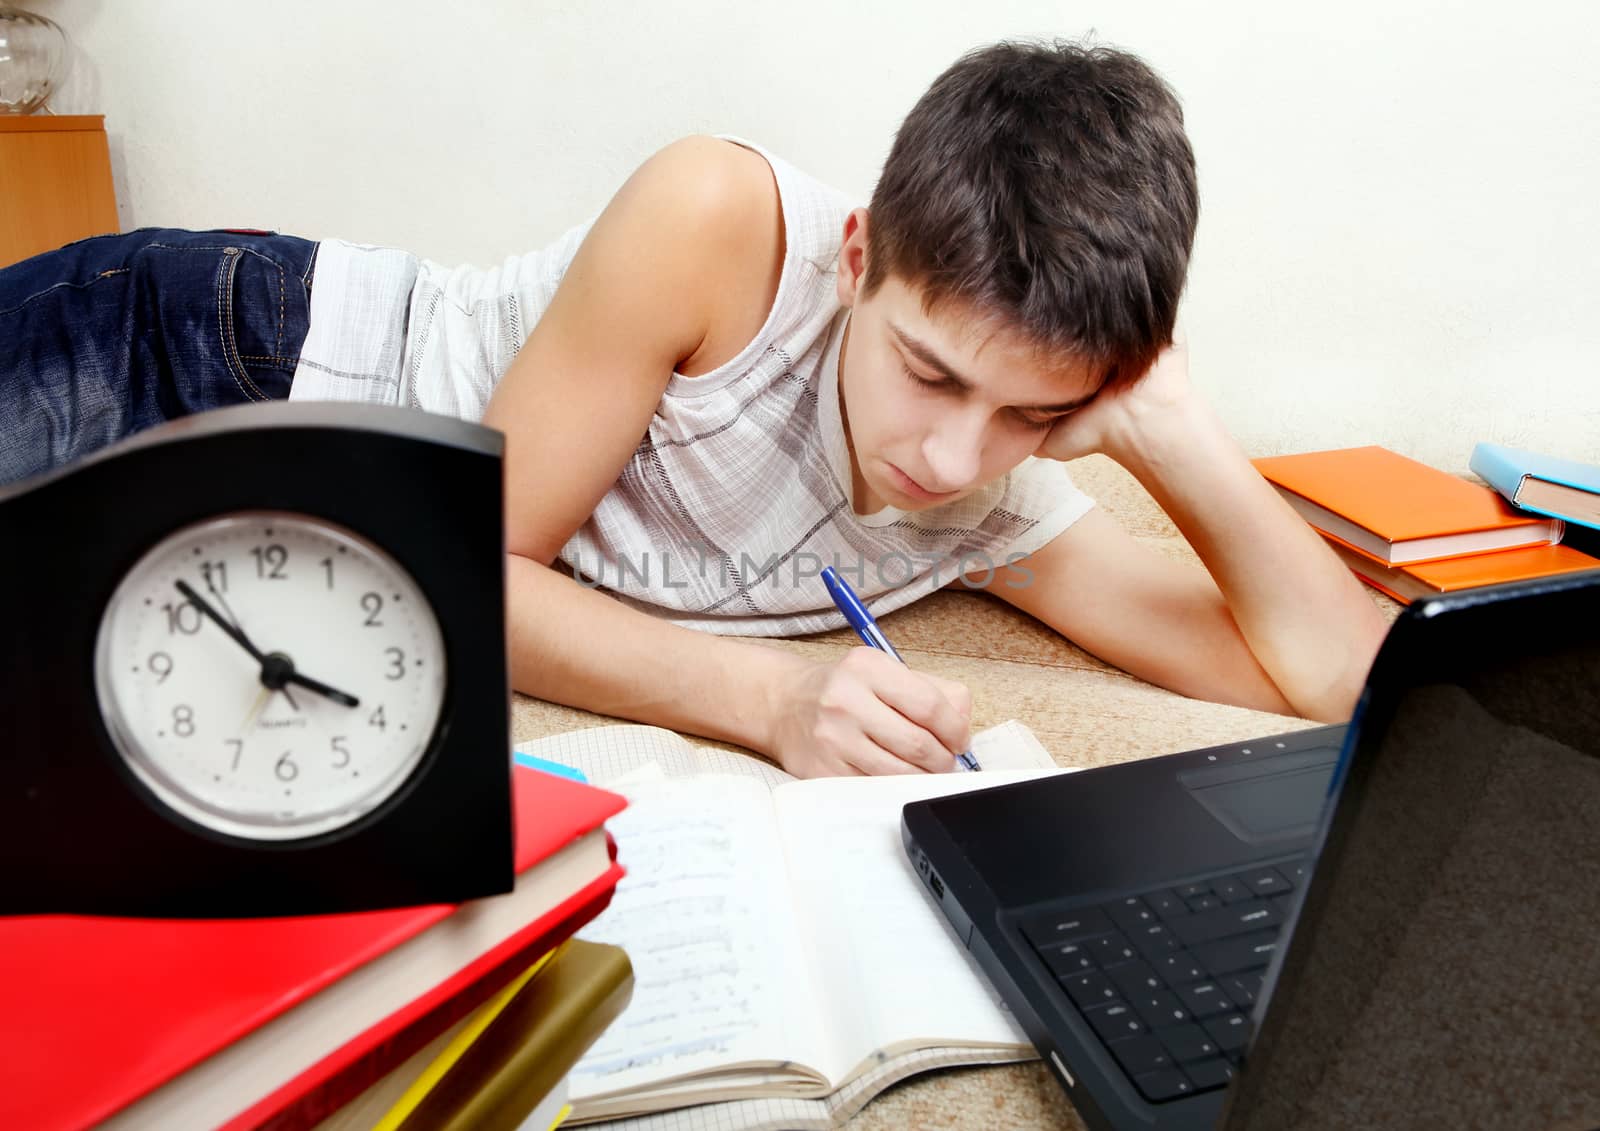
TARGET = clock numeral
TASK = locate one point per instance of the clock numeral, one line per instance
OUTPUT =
(216, 576)
(397, 664)
(184, 618)
(376, 719)
(374, 605)
(285, 769)
(327, 564)
(161, 664)
(270, 560)
(183, 720)
(238, 749)
(342, 750)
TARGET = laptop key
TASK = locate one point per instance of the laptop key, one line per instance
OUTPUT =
(1242, 952)
(1208, 1074)
(1089, 989)
(1166, 1084)
(1179, 968)
(1067, 958)
(1205, 999)
(1242, 988)
(1188, 1042)
(1065, 926)
(1159, 1008)
(1231, 1031)
(1140, 1054)
(1193, 891)
(1265, 881)
(1130, 914)
(1204, 903)
(1115, 1021)
(1166, 903)
(1112, 949)
(1155, 939)
(1232, 890)
(1234, 919)
(1135, 978)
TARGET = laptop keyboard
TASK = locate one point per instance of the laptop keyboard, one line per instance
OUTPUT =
(1168, 978)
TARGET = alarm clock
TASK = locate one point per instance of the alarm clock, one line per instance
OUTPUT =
(258, 667)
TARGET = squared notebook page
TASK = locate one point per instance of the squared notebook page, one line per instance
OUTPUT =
(895, 975)
(609, 753)
(705, 917)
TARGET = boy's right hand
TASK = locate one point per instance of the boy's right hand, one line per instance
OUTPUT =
(868, 714)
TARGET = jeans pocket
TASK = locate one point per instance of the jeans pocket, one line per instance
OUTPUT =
(227, 330)
(262, 308)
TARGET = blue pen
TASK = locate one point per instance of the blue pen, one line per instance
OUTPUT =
(871, 635)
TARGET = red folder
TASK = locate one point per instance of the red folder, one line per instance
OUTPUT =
(98, 1012)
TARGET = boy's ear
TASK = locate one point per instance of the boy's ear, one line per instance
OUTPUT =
(853, 257)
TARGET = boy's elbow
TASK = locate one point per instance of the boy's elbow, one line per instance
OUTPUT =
(1336, 700)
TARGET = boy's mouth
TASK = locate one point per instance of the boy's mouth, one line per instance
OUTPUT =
(912, 489)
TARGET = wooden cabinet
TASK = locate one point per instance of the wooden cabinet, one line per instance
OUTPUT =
(55, 182)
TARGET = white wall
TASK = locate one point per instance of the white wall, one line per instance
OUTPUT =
(1400, 221)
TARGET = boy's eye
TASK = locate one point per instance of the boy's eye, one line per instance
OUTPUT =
(919, 380)
(1038, 420)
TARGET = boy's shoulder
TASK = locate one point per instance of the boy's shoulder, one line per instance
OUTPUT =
(724, 198)
(712, 182)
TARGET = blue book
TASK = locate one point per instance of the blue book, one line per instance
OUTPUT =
(1560, 488)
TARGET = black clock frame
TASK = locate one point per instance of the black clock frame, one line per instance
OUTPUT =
(79, 833)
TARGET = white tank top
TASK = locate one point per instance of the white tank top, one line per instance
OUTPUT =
(739, 493)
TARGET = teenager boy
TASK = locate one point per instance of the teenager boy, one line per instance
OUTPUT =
(733, 377)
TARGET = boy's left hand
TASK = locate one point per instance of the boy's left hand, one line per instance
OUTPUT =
(1114, 418)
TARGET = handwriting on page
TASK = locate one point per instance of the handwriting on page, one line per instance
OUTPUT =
(697, 919)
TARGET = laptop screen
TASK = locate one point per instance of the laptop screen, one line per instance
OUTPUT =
(1445, 969)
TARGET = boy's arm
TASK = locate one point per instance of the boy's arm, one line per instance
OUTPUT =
(1277, 624)
(678, 271)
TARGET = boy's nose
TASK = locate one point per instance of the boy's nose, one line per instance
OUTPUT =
(953, 456)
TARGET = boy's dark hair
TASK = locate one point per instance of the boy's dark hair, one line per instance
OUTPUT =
(1051, 185)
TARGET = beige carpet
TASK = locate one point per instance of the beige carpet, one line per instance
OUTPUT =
(1085, 712)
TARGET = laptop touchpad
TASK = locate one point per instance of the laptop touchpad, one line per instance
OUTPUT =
(1277, 799)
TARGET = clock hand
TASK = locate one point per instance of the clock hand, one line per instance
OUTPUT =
(261, 701)
(223, 601)
(277, 669)
(342, 698)
(233, 631)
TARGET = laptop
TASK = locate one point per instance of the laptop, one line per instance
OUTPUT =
(1390, 923)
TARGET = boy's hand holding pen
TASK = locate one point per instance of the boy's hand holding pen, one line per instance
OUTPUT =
(866, 627)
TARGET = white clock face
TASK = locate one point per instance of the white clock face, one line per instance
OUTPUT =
(270, 675)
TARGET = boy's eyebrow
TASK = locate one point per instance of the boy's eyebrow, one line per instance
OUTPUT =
(925, 354)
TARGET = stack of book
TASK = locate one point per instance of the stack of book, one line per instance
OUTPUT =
(438, 1016)
(1411, 530)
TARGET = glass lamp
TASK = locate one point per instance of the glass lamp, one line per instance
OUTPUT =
(33, 59)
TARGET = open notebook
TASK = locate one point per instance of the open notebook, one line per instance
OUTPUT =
(787, 965)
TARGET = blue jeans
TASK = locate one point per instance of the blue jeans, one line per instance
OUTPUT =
(110, 335)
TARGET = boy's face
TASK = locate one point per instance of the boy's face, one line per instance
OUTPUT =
(937, 405)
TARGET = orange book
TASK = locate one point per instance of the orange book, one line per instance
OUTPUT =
(1400, 511)
(1469, 571)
